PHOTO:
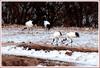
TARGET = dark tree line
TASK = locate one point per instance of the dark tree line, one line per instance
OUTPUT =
(78, 14)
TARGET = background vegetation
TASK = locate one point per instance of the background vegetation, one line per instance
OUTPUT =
(68, 14)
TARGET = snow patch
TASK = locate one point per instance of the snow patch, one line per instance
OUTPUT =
(90, 59)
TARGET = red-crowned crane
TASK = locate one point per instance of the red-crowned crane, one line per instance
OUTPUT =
(71, 35)
(47, 25)
(28, 25)
(56, 35)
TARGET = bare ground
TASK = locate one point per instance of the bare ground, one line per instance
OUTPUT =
(26, 61)
(51, 47)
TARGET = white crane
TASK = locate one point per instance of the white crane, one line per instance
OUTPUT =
(56, 35)
(71, 35)
(46, 24)
(28, 25)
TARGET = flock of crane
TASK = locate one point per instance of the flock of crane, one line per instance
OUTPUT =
(56, 35)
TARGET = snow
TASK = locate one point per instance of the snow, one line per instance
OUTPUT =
(86, 38)
(76, 57)
(40, 66)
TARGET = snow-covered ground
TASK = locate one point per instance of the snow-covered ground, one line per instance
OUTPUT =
(87, 59)
(87, 39)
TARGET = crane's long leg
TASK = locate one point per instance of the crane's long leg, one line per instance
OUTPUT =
(71, 41)
(31, 29)
(46, 30)
(53, 41)
(57, 39)
(28, 30)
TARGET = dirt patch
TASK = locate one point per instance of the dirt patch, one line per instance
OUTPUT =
(9, 43)
(51, 47)
(8, 60)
